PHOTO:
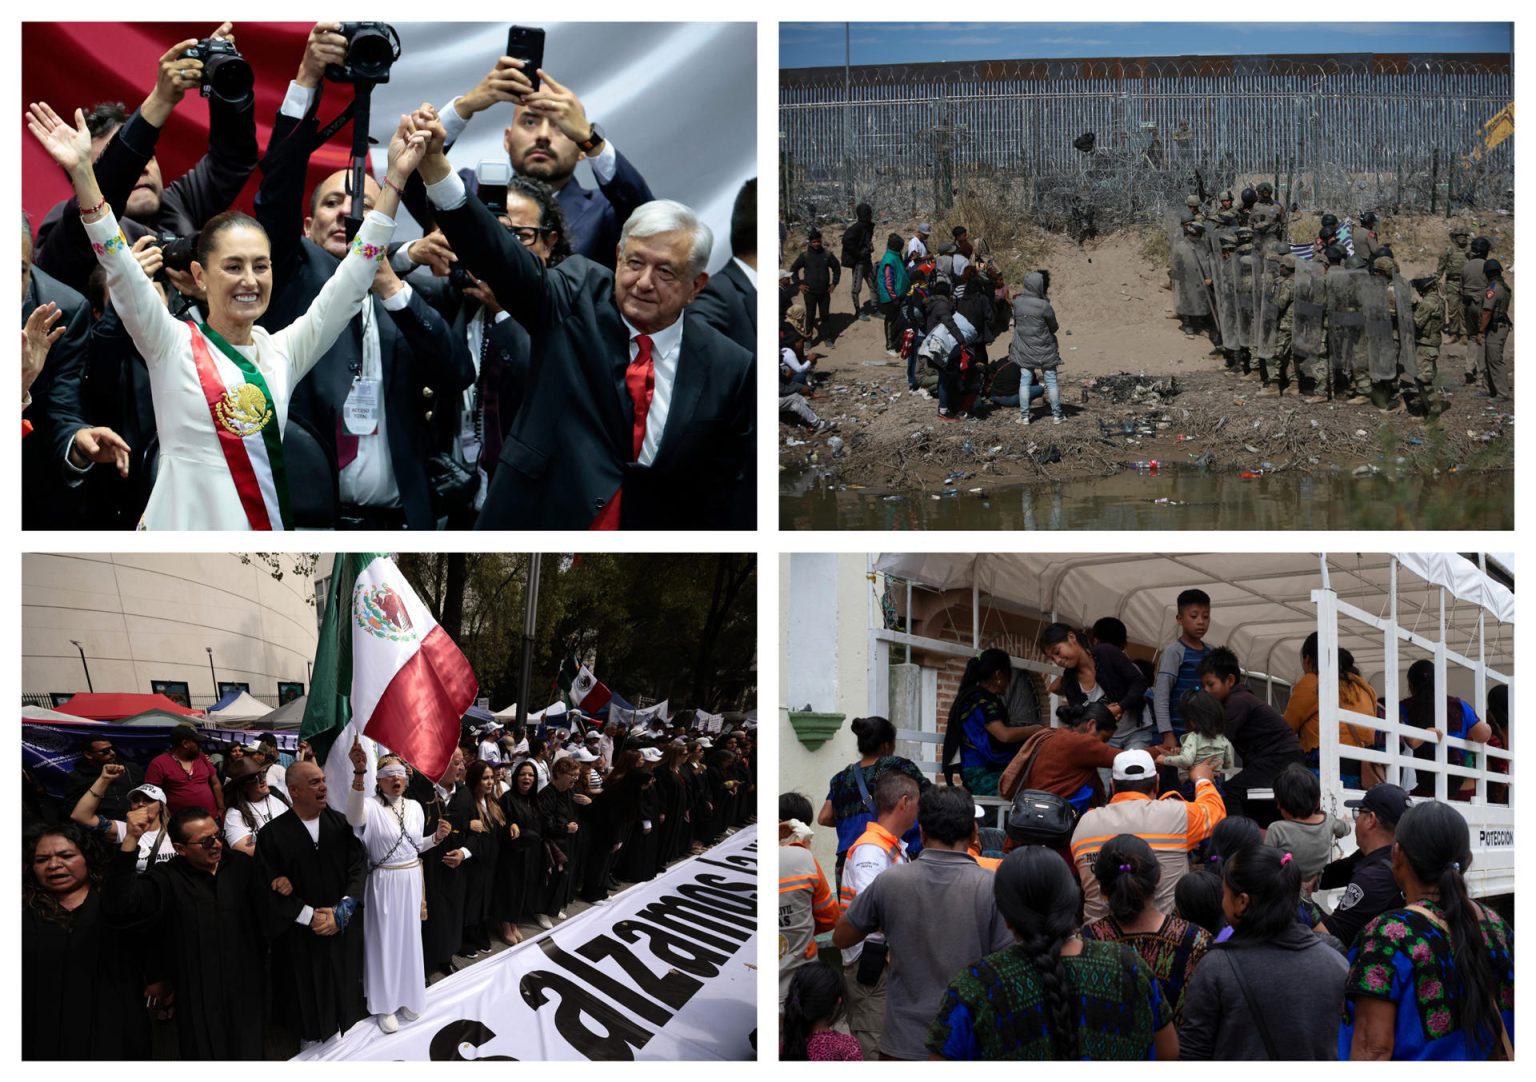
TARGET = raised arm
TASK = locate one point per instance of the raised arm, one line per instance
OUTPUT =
(306, 338)
(154, 331)
(210, 186)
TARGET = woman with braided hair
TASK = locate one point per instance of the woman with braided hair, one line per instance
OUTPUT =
(1052, 995)
(390, 828)
(1128, 874)
(1436, 978)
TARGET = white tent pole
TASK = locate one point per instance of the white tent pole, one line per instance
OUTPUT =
(1441, 751)
(1389, 647)
(975, 613)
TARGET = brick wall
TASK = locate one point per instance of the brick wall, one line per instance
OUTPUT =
(1002, 631)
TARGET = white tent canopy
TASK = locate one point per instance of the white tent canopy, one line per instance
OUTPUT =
(43, 714)
(1260, 602)
(509, 714)
(244, 707)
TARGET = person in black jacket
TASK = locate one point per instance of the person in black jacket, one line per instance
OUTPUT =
(729, 301)
(636, 418)
(62, 445)
(1263, 740)
(816, 274)
(96, 752)
(858, 253)
(365, 401)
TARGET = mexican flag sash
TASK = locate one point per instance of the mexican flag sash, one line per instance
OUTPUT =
(245, 420)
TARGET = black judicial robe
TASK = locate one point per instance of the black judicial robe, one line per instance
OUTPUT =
(215, 935)
(82, 988)
(479, 871)
(443, 931)
(318, 978)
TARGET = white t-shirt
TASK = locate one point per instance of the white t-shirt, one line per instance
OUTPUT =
(489, 751)
(236, 829)
(146, 844)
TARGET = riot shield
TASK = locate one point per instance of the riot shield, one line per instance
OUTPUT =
(1308, 303)
(1247, 294)
(1189, 261)
(1224, 288)
(1346, 322)
(1380, 335)
(1267, 320)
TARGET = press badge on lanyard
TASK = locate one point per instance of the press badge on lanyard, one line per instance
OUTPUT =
(360, 414)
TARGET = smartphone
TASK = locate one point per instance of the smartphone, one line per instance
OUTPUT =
(527, 43)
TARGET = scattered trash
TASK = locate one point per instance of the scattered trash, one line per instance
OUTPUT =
(1416, 442)
(967, 448)
(1170, 503)
(893, 499)
(792, 442)
(1361, 433)
(1249, 475)
(835, 445)
(1366, 470)
(974, 491)
(1250, 448)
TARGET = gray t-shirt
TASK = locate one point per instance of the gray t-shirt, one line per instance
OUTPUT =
(1310, 844)
(939, 916)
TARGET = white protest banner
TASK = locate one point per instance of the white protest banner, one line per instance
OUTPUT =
(666, 970)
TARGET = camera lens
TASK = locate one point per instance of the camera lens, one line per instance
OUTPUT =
(371, 53)
(229, 77)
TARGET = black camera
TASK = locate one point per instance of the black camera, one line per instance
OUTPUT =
(226, 75)
(176, 253)
(372, 49)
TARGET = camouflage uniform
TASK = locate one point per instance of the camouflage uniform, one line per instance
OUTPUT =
(1285, 290)
(1449, 268)
(1474, 285)
(1267, 216)
(1428, 320)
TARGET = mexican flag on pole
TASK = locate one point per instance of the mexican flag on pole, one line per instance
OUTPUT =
(385, 670)
(588, 692)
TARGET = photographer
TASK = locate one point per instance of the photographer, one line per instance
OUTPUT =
(548, 135)
(368, 398)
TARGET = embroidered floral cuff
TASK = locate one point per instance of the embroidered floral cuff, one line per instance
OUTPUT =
(373, 252)
(115, 243)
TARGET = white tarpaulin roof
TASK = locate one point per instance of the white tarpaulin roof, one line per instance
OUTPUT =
(509, 714)
(243, 708)
(1260, 602)
(43, 714)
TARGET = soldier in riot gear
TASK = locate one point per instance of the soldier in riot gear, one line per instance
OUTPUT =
(1387, 308)
(1367, 241)
(1190, 271)
(1346, 329)
(1247, 299)
(1428, 321)
(1224, 291)
(1224, 200)
(1473, 288)
(1449, 268)
(1266, 217)
(1245, 212)
(1276, 318)
(1309, 328)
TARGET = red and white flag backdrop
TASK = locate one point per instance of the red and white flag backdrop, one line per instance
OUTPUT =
(678, 99)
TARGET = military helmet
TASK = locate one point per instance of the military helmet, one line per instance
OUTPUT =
(1368, 219)
(1287, 264)
(1426, 283)
(1192, 201)
(1330, 221)
(1356, 262)
(1385, 250)
(1226, 195)
(1493, 268)
(1334, 255)
(1384, 265)
(1194, 228)
(1228, 242)
(1480, 246)
(1250, 197)
(1226, 217)
(1244, 235)
(1266, 188)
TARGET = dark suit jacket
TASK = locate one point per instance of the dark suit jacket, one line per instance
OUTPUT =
(56, 412)
(208, 188)
(423, 365)
(571, 446)
(594, 216)
(729, 304)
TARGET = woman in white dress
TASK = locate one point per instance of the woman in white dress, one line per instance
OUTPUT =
(221, 389)
(390, 829)
(148, 800)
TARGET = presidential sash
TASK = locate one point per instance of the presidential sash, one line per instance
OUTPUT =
(245, 421)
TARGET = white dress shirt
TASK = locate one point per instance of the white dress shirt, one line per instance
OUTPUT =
(666, 347)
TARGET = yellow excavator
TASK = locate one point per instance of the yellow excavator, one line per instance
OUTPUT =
(1500, 128)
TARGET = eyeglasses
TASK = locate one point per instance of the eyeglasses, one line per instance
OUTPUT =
(528, 234)
(213, 841)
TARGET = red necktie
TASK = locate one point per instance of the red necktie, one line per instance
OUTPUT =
(640, 378)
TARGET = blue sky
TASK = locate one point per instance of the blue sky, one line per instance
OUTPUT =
(816, 44)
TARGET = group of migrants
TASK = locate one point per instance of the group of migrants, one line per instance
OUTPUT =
(944, 306)
(524, 364)
(1331, 317)
(193, 909)
(1144, 901)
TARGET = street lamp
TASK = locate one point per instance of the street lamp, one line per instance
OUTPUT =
(213, 674)
(76, 644)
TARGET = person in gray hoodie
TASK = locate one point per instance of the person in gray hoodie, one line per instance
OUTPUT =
(1275, 989)
(1034, 343)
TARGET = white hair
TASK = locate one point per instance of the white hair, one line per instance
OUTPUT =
(670, 216)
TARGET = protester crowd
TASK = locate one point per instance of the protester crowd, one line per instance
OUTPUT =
(197, 910)
(1328, 318)
(524, 364)
(1157, 892)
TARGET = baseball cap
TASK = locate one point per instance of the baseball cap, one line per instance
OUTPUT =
(1134, 765)
(651, 755)
(1386, 801)
(925, 229)
(154, 792)
(582, 755)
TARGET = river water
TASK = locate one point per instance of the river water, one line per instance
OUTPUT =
(1166, 500)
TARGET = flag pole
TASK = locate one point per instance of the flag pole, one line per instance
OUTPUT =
(530, 623)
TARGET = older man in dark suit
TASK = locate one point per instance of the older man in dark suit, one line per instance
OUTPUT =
(729, 301)
(634, 417)
(368, 399)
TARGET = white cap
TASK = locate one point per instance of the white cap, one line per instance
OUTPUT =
(651, 755)
(1134, 765)
(582, 755)
(154, 792)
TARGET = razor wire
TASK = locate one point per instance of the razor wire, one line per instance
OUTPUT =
(1344, 135)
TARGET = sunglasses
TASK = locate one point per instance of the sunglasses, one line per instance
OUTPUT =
(213, 841)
